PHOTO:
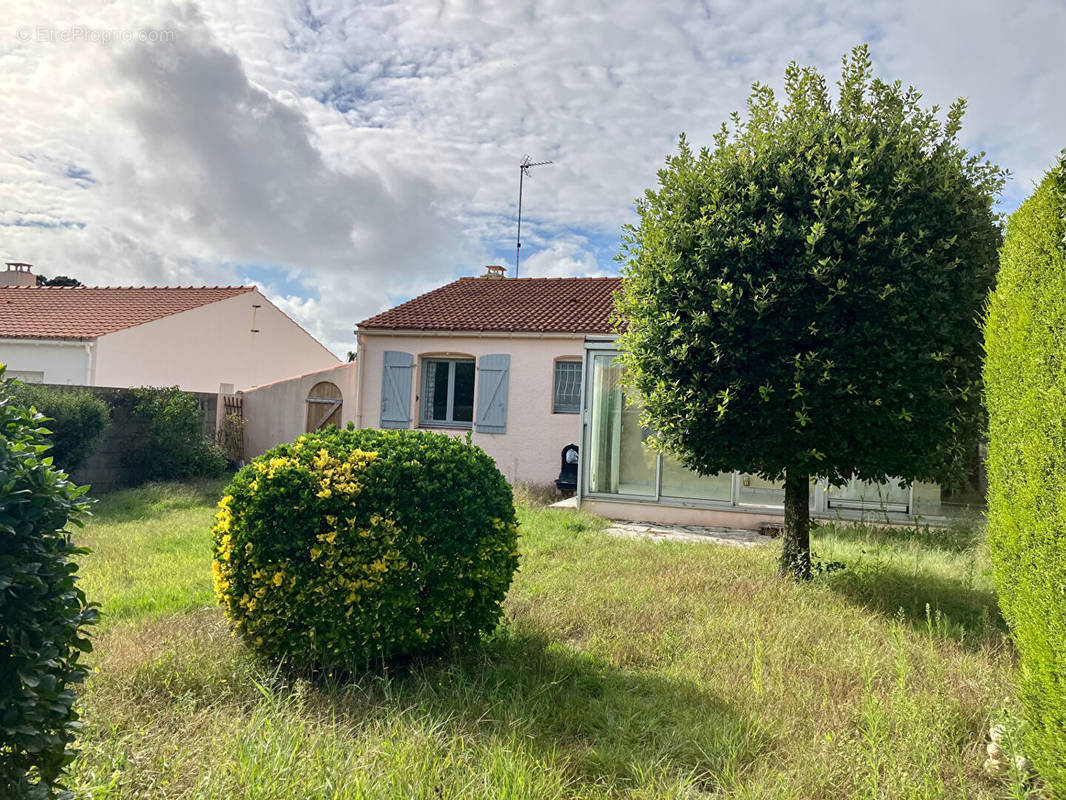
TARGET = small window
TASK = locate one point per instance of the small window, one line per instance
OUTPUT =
(567, 387)
(448, 392)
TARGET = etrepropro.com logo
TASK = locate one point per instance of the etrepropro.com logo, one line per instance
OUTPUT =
(72, 34)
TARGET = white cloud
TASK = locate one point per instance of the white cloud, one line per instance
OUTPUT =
(349, 156)
(563, 259)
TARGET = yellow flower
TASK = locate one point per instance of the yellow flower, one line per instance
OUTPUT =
(278, 578)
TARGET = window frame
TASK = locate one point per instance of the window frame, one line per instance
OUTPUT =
(427, 408)
(579, 363)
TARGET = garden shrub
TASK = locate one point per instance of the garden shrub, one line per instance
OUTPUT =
(42, 610)
(76, 420)
(350, 547)
(176, 446)
(1025, 377)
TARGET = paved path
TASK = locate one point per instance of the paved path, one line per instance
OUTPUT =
(733, 537)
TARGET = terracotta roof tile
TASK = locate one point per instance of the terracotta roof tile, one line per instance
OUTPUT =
(544, 305)
(65, 312)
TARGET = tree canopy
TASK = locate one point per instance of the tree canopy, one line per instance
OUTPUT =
(803, 298)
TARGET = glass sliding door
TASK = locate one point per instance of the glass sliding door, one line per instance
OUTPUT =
(618, 461)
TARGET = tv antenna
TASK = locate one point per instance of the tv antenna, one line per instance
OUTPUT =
(523, 171)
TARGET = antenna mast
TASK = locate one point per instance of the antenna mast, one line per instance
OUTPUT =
(523, 171)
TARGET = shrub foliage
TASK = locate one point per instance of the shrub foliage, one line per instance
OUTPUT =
(348, 547)
(802, 299)
(75, 418)
(42, 610)
(1025, 339)
(176, 446)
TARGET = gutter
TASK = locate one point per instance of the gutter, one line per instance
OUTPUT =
(49, 342)
(359, 361)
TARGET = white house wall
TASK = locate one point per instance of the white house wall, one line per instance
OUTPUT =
(205, 347)
(529, 451)
(277, 412)
(62, 362)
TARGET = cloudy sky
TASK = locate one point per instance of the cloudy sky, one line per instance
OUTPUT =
(347, 156)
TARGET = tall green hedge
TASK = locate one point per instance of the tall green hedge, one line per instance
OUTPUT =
(42, 610)
(1025, 378)
(76, 420)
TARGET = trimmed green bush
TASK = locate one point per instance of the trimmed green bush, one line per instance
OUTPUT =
(176, 446)
(42, 610)
(1025, 379)
(75, 418)
(351, 547)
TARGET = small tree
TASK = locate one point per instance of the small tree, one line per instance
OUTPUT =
(802, 299)
(175, 446)
(58, 280)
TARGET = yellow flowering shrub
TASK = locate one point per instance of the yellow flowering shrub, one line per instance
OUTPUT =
(350, 547)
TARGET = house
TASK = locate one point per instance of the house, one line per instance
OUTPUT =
(529, 365)
(203, 339)
(498, 358)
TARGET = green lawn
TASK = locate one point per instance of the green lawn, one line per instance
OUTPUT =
(623, 669)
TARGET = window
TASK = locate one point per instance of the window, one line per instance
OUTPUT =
(567, 398)
(448, 392)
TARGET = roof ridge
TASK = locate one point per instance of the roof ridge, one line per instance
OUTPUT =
(154, 288)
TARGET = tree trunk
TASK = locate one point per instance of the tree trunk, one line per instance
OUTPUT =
(796, 549)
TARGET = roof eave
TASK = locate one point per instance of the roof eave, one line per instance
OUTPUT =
(484, 333)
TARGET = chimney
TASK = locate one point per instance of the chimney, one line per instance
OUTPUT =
(17, 274)
(494, 271)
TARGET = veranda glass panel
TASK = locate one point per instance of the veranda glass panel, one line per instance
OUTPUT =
(618, 463)
(684, 483)
(889, 496)
(754, 491)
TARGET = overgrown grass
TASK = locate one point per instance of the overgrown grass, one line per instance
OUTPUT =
(150, 546)
(624, 668)
(936, 579)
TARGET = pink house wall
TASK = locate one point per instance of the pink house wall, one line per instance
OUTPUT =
(200, 349)
(529, 451)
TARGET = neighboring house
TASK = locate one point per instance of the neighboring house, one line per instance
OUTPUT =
(498, 357)
(203, 339)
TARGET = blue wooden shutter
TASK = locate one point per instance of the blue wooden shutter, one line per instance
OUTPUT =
(396, 389)
(493, 372)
